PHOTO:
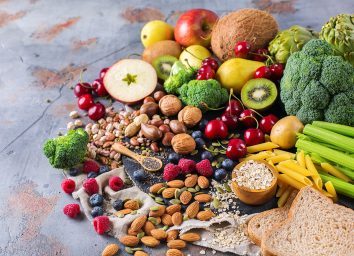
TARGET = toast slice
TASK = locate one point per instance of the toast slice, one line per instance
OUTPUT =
(315, 227)
(267, 219)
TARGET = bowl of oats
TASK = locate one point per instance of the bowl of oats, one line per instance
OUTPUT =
(254, 181)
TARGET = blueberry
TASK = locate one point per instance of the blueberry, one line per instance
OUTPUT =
(220, 174)
(200, 142)
(207, 155)
(201, 206)
(166, 201)
(228, 164)
(96, 211)
(202, 124)
(92, 175)
(183, 207)
(73, 171)
(173, 158)
(118, 205)
(96, 200)
(139, 175)
(197, 134)
(103, 169)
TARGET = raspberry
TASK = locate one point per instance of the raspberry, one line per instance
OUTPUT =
(91, 186)
(171, 171)
(71, 210)
(186, 165)
(115, 183)
(68, 186)
(90, 166)
(204, 168)
(101, 224)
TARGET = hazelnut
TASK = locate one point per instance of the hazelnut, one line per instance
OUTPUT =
(149, 108)
(164, 128)
(177, 127)
(154, 147)
(170, 105)
(158, 95)
(149, 99)
(183, 144)
(151, 132)
(190, 116)
(156, 122)
(167, 138)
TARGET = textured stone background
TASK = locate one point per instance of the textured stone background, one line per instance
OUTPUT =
(44, 44)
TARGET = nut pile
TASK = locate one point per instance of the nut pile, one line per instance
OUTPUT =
(128, 206)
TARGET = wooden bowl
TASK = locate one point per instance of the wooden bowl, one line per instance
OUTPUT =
(255, 196)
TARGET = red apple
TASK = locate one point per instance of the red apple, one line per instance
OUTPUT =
(194, 27)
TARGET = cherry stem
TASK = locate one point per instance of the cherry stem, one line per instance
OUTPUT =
(134, 54)
(203, 104)
(243, 118)
(256, 113)
(80, 79)
(192, 55)
(213, 151)
(221, 145)
(233, 95)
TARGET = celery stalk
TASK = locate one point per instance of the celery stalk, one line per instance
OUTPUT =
(341, 187)
(338, 128)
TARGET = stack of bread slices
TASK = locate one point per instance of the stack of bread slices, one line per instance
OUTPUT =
(309, 224)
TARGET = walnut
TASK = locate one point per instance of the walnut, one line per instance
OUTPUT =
(190, 116)
(183, 143)
(170, 105)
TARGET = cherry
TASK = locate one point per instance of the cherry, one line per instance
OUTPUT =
(99, 88)
(234, 108)
(248, 118)
(276, 70)
(266, 124)
(103, 72)
(216, 129)
(263, 72)
(242, 49)
(210, 62)
(253, 136)
(97, 111)
(82, 88)
(205, 75)
(230, 121)
(85, 101)
(236, 149)
(261, 55)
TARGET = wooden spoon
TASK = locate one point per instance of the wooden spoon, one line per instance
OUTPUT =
(151, 164)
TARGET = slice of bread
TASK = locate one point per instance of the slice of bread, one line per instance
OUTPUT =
(315, 227)
(265, 220)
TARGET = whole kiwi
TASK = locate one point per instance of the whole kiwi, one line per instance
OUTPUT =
(165, 47)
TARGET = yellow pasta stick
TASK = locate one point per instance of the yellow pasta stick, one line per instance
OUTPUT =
(284, 197)
(292, 182)
(335, 172)
(260, 156)
(290, 164)
(295, 175)
(281, 190)
(330, 189)
(314, 173)
(327, 194)
(318, 182)
(261, 147)
(283, 152)
(271, 163)
(300, 158)
(279, 158)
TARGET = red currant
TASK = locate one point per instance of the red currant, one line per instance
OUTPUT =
(277, 70)
(263, 72)
(242, 49)
(99, 88)
(97, 111)
(103, 72)
(210, 62)
(82, 88)
(85, 101)
(260, 55)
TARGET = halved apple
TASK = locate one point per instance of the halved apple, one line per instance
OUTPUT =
(130, 80)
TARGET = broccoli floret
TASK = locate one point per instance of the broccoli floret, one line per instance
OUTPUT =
(204, 94)
(174, 82)
(341, 109)
(66, 151)
(312, 79)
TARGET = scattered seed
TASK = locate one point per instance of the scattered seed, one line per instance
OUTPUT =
(197, 188)
(165, 227)
(175, 201)
(214, 163)
(192, 190)
(183, 189)
(154, 208)
(220, 190)
(185, 217)
(120, 215)
(177, 193)
(215, 144)
(227, 187)
(216, 203)
(128, 182)
(160, 190)
(152, 195)
(153, 220)
(134, 212)
(224, 142)
(140, 235)
(137, 249)
(199, 192)
(161, 203)
(129, 250)
(158, 199)
(194, 152)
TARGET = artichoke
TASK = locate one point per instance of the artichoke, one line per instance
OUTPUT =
(339, 33)
(289, 41)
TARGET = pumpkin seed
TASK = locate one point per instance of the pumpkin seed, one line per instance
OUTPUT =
(152, 195)
(227, 187)
(177, 193)
(175, 201)
(183, 189)
(216, 203)
(222, 152)
(137, 249)
(199, 192)
(134, 212)
(192, 190)
(153, 220)
(140, 235)
(128, 182)
(165, 227)
(154, 208)
(220, 190)
(162, 203)
(215, 144)
(160, 190)
(224, 142)
(211, 148)
(185, 217)
(129, 250)
(194, 152)
(231, 135)
(120, 215)
(197, 188)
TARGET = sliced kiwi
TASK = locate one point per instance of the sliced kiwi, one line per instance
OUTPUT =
(163, 65)
(259, 94)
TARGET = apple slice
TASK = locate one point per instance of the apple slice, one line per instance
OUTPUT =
(130, 80)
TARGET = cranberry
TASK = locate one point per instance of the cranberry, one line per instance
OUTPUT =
(210, 62)
(82, 88)
(266, 124)
(97, 111)
(103, 72)
(230, 121)
(263, 72)
(253, 136)
(85, 101)
(242, 49)
(99, 88)
(261, 55)
(236, 149)
(248, 118)
(216, 129)
(234, 108)
(276, 70)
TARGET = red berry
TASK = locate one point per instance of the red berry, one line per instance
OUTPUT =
(266, 124)
(236, 149)
(101, 224)
(210, 62)
(98, 87)
(68, 186)
(253, 136)
(260, 55)
(186, 165)
(248, 118)
(71, 210)
(85, 101)
(230, 121)
(171, 171)
(96, 111)
(242, 49)
(216, 129)
(115, 183)
(82, 88)
(90, 166)
(206, 75)
(204, 168)
(263, 72)
(103, 72)
(91, 186)
(234, 108)
(277, 70)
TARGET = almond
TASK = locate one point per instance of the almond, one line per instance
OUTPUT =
(192, 209)
(177, 218)
(124, 212)
(205, 215)
(156, 187)
(173, 208)
(148, 227)
(175, 184)
(172, 235)
(150, 241)
(174, 252)
(159, 234)
(110, 250)
(169, 192)
(159, 212)
(132, 205)
(130, 241)
(166, 219)
(133, 232)
(190, 237)
(185, 197)
(138, 223)
(176, 244)
(140, 253)
(191, 181)
(203, 182)
(203, 198)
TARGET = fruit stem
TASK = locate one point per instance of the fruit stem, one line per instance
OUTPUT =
(133, 54)
(243, 118)
(214, 151)
(233, 95)
(203, 104)
(221, 145)
(192, 55)
(256, 113)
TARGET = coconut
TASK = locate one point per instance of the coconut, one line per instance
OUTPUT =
(165, 47)
(256, 27)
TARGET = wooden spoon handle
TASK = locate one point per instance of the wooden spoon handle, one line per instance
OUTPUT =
(125, 151)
